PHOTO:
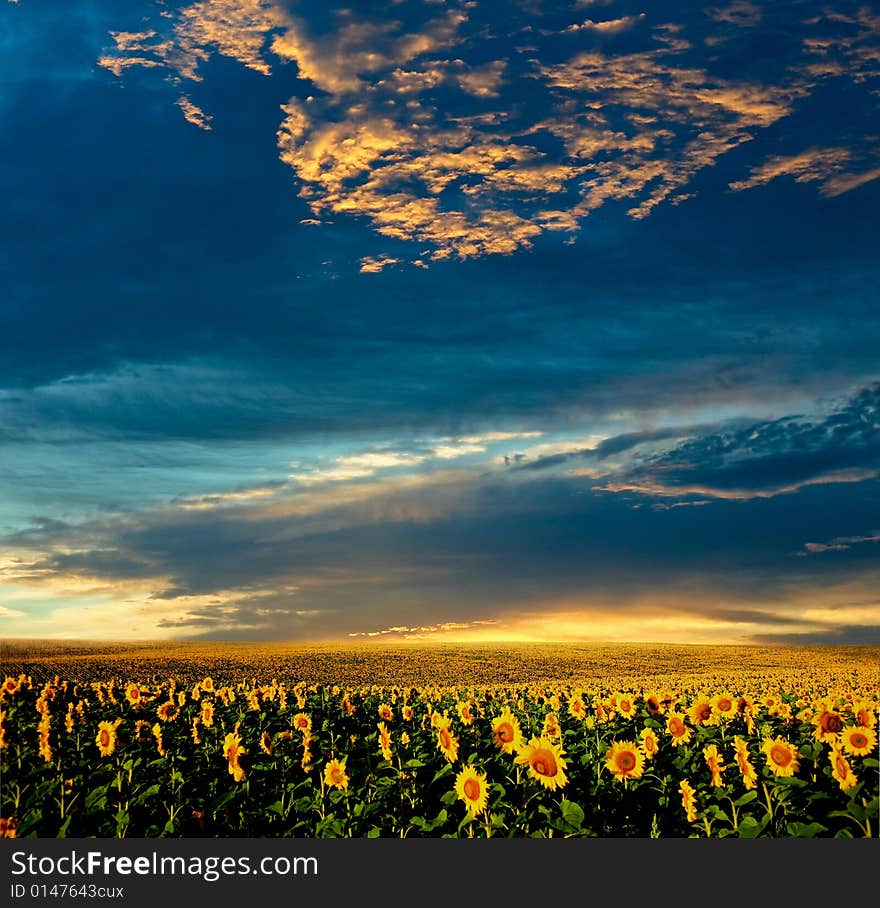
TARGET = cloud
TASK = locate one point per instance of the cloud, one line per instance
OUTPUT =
(741, 13)
(373, 265)
(838, 544)
(608, 26)
(823, 165)
(409, 128)
(766, 459)
(192, 113)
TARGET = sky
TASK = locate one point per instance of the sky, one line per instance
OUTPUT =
(431, 320)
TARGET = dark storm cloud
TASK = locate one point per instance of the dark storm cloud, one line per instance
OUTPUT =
(768, 458)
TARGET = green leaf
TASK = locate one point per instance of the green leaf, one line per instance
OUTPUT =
(805, 830)
(749, 828)
(747, 798)
(572, 813)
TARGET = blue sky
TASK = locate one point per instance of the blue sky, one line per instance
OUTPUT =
(440, 320)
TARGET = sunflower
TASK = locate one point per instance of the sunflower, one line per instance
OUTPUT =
(407, 712)
(654, 704)
(546, 762)
(465, 713)
(447, 743)
(8, 827)
(386, 713)
(626, 706)
(551, 727)
(781, 756)
(715, 763)
(724, 706)
(10, 686)
(233, 751)
(841, 770)
(577, 708)
(688, 800)
(134, 694)
(864, 713)
(384, 741)
(741, 750)
(678, 728)
(650, 743)
(858, 740)
(168, 711)
(471, 787)
(506, 732)
(302, 723)
(207, 713)
(700, 712)
(266, 744)
(335, 775)
(106, 737)
(207, 684)
(828, 722)
(624, 760)
(157, 734)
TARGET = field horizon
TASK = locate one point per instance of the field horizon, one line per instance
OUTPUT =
(416, 662)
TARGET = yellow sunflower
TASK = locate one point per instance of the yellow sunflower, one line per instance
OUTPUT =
(828, 722)
(688, 800)
(724, 706)
(626, 705)
(624, 760)
(133, 694)
(335, 775)
(168, 711)
(384, 741)
(841, 770)
(576, 707)
(506, 732)
(233, 751)
(207, 713)
(472, 788)
(551, 727)
(386, 713)
(447, 743)
(781, 756)
(715, 763)
(747, 770)
(207, 684)
(302, 723)
(106, 737)
(407, 712)
(858, 740)
(465, 713)
(546, 762)
(650, 743)
(700, 712)
(10, 685)
(678, 729)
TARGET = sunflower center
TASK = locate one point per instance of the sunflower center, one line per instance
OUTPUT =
(505, 732)
(444, 737)
(626, 760)
(725, 705)
(105, 738)
(831, 722)
(858, 740)
(842, 766)
(472, 789)
(676, 727)
(780, 755)
(705, 712)
(544, 763)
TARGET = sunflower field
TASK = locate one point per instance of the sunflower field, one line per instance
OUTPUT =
(774, 751)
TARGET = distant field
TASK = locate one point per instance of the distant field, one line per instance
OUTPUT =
(607, 664)
(226, 739)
